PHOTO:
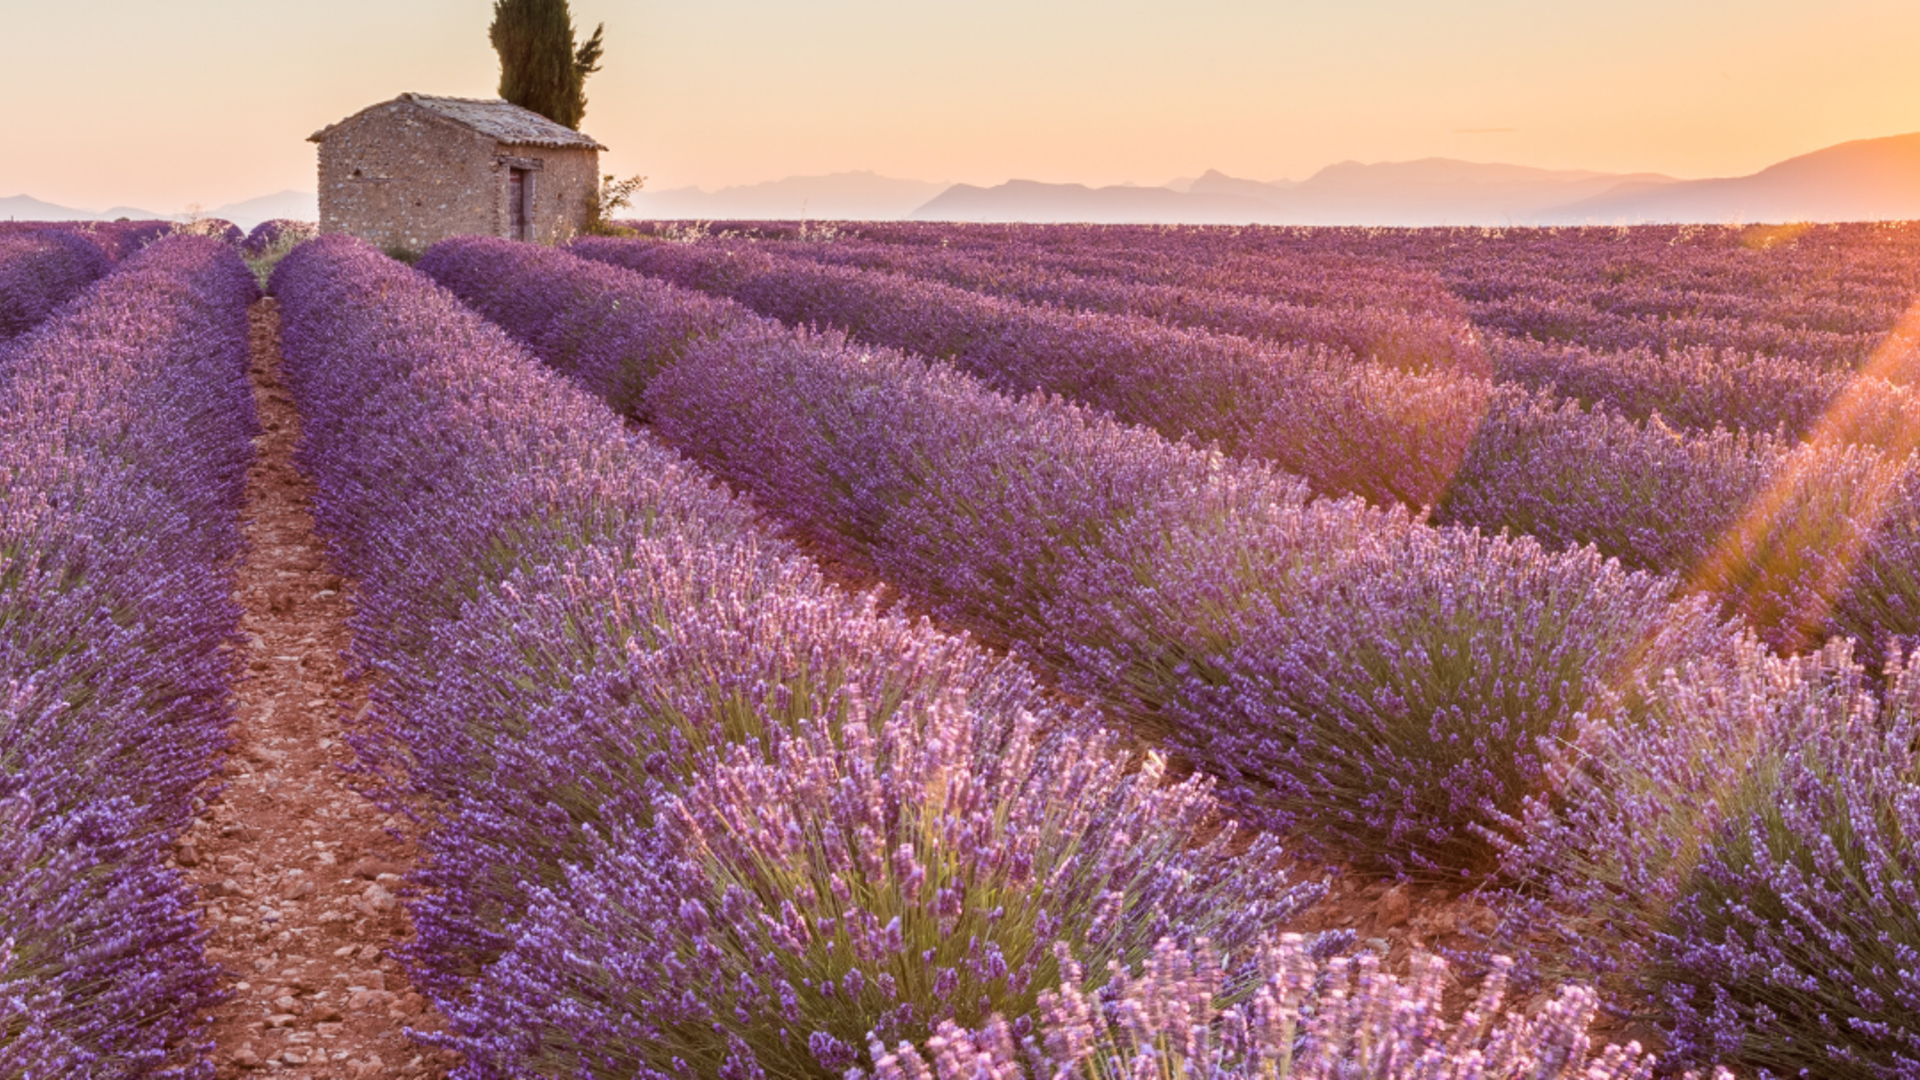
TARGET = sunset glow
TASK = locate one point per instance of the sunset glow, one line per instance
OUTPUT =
(208, 101)
(911, 540)
(1802, 537)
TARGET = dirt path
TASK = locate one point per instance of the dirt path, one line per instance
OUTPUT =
(297, 872)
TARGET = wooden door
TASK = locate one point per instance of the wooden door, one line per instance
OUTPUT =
(517, 204)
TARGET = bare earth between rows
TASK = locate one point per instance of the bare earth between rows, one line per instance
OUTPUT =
(297, 873)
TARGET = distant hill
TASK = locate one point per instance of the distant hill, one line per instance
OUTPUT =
(28, 208)
(1433, 191)
(1031, 200)
(1870, 179)
(293, 205)
(837, 196)
(1865, 180)
(299, 205)
(1215, 182)
(1442, 191)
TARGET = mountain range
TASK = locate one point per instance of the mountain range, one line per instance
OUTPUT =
(298, 205)
(1864, 180)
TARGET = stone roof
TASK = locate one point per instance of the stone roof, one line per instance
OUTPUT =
(491, 117)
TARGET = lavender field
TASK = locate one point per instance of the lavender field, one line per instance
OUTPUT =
(952, 651)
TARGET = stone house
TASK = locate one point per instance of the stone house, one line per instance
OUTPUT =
(417, 169)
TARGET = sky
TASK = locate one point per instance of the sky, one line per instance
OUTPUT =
(164, 104)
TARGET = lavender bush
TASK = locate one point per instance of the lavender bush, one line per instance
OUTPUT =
(121, 239)
(601, 669)
(126, 422)
(117, 1006)
(1408, 327)
(276, 233)
(833, 886)
(1431, 688)
(1494, 458)
(1801, 540)
(39, 271)
(642, 685)
(1737, 869)
(1698, 388)
(1794, 562)
(1346, 425)
(117, 239)
(1790, 945)
(1652, 497)
(1305, 1020)
(270, 241)
(1179, 588)
(613, 335)
(1599, 872)
(1880, 604)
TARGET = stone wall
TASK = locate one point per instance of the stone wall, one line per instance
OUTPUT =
(400, 176)
(561, 188)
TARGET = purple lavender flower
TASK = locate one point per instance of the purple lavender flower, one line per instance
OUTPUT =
(1789, 948)
(626, 700)
(39, 271)
(276, 233)
(1302, 652)
(1344, 423)
(126, 423)
(1183, 1014)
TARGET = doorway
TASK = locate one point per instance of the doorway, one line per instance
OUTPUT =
(519, 186)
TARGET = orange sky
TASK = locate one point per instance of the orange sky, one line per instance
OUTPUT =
(162, 104)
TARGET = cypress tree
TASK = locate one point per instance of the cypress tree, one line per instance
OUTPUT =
(540, 66)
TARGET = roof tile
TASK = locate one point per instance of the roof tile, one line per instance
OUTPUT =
(495, 119)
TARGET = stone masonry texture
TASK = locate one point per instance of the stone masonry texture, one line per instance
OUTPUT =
(399, 175)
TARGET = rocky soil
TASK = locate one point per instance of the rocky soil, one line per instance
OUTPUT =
(297, 872)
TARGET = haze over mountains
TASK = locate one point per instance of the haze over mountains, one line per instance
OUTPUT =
(298, 205)
(1869, 179)
(1433, 191)
(1863, 180)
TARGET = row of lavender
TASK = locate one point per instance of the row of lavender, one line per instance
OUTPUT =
(117, 240)
(1823, 295)
(1405, 320)
(1177, 586)
(1684, 834)
(592, 657)
(39, 271)
(1486, 456)
(699, 813)
(1699, 382)
(1602, 472)
(1347, 424)
(1747, 329)
(125, 435)
(1705, 302)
